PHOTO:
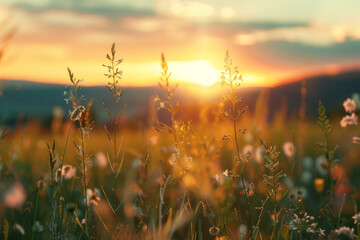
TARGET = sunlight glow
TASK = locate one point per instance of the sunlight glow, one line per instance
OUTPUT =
(199, 72)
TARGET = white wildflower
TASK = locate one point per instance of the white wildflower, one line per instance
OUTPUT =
(349, 105)
(349, 120)
(101, 160)
(356, 218)
(15, 196)
(214, 231)
(75, 115)
(19, 228)
(258, 156)
(38, 227)
(345, 232)
(68, 171)
(242, 231)
(356, 140)
(248, 150)
(289, 149)
(92, 197)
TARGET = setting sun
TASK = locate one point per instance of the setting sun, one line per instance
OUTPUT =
(199, 72)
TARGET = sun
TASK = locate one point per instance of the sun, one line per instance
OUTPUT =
(198, 72)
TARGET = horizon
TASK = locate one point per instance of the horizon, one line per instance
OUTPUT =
(188, 84)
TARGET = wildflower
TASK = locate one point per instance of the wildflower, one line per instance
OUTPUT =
(38, 227)
(289, 149)
(349, 105)
(356, 140)
(321, 232)
(58, 174)
(101, 160)
(248, 150)
(356, 218)
(305, 222)
(68, 171)
(258, 156)
(214, 231)
(226, 173)
(75, 115)
(19, 228)
(242, 231)
(345, 232)
(92, 197)
(15, 196)
(349, 120)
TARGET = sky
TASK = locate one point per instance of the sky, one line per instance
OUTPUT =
(271, 41)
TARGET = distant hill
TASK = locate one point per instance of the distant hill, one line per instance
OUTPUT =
(37, 100)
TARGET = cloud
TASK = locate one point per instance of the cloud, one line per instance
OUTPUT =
(285, 56)
(106, 9)
(310, 35)
(148, 24)
(185, 9)
(62, 18)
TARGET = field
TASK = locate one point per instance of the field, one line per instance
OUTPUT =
(229, 174)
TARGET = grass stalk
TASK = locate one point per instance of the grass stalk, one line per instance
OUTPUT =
(114, 75)
(232, 78)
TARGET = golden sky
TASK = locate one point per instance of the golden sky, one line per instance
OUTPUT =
(270, 41)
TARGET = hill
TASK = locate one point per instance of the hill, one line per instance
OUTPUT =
(37, 100)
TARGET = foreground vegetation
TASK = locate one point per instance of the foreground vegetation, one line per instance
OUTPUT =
(228, 176)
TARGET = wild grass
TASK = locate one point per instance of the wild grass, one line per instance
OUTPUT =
(175, 179)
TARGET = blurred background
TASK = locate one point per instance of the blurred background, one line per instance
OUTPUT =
(280, 47)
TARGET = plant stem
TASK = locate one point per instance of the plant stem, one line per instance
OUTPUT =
(51, 202)
(35, 211)
(261, 215)
(84, 177)
(275, 208)
(115, 131)
(234, 116)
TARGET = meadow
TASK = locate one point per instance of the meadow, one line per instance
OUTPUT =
(231, 174)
